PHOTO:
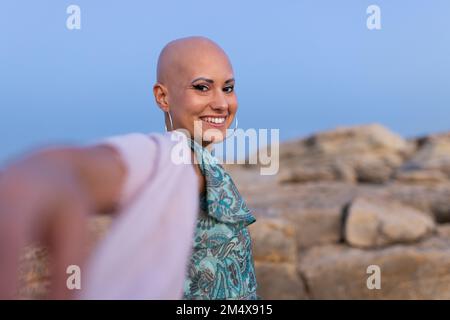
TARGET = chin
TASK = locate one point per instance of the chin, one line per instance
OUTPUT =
(214, 138)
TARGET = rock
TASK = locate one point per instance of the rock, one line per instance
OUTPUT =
(375, 222)
(368, 153)
(304, 174)
(434, 154)
(332, 169)
(275, 256)
(273, 241)
(369, 169)
(344, 171)
(279, 281)
(357, 138)
(313, 209)
(407, 272)
(433, 199)
(288, 199)
(315, 226)
(443, 231)
(421, 177)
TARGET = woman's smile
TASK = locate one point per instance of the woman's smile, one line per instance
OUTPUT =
(214, 121)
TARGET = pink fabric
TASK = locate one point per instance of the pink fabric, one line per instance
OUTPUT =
(146, 252)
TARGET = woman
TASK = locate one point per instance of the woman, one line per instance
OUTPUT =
(195, 89)
(49, 194)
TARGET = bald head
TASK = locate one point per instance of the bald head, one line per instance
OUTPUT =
(187, 55)
(195, 82)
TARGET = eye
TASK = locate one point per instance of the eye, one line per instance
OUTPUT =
(201, 87)
(228, 89)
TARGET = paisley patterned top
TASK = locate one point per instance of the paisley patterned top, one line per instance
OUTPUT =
(221, 265)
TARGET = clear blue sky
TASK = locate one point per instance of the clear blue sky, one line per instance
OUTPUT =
(301, 66)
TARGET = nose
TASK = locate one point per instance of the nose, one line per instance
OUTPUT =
(220, 102)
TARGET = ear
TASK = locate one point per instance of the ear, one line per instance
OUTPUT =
(160, 93)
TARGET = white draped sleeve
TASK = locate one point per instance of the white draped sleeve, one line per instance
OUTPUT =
(145, 253)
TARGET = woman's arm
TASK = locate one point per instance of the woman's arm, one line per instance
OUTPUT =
(97, 171)
(47, 196)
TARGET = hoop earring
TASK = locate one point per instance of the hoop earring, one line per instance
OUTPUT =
(235, 127)
(171, 123)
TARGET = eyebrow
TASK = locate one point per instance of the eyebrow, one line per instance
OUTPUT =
(210, 80)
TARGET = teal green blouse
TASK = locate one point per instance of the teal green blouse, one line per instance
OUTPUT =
(221, 265)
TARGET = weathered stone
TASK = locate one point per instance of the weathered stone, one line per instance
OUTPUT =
(421, 177)
(433, 199)
(372, 170)
(434, 154)
(369, 153)
(273, 241)
(315, 226)
(357, 138)
(375, 222)
(304, 174)
(407, 272)
(344, 171)
(279, 281)
(443, 230)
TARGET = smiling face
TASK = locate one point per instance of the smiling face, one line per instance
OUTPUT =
(196, 83)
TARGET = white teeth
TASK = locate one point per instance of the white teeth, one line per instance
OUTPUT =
(214, 120)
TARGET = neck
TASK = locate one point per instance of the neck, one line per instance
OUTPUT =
(208, 145)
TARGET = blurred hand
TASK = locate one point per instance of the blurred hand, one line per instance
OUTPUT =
(42, 200)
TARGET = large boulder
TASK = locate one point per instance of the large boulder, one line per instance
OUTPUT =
(376, 222)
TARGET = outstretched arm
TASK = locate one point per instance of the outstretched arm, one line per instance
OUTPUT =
(47, 196)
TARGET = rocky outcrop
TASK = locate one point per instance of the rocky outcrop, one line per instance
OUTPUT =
(359, 198)
(353, 154)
